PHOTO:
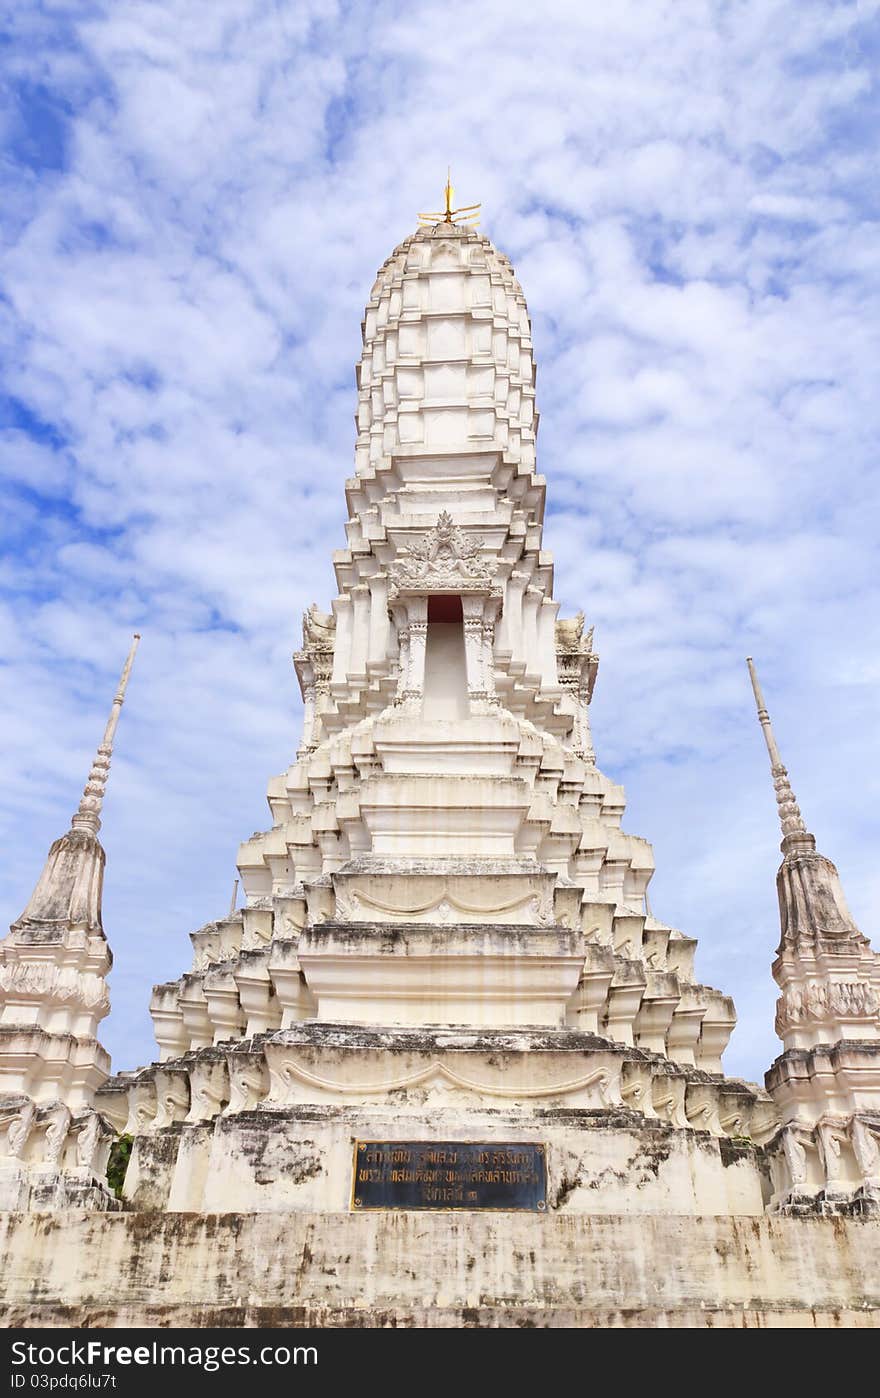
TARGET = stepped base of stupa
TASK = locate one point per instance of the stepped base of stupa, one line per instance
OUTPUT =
(439, 1269)
(273, 1123)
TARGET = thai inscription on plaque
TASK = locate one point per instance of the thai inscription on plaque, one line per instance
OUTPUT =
(449, 1175)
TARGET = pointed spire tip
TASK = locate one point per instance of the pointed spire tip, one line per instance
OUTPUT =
(88, 814)
(794, 832)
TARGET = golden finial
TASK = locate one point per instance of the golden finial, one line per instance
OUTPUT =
(468, 214)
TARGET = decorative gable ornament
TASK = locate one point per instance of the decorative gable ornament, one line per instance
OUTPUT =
(319, 630)
(570, 638)
(447, 559)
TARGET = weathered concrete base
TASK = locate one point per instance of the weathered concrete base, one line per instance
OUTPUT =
(46, 1190)
(443, 1269)
(300, 1158)
(864, 1203)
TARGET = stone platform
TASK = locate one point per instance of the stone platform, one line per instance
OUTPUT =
(437, 1270)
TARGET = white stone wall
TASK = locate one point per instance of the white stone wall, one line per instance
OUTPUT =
(438, 1269)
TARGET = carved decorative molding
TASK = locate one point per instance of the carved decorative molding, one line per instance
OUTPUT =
(89, 1137)
(821, 1000)
(141, 1107)
(207, 1085)
(355, 905)
(446, 559)
(319, 629)
(172, 1098)
(819, 1162)
(55, 983)
(247, 1085)
(606, 1081)
(570, 638)
(865, 1137)
(58, 1124)
(18, 1122)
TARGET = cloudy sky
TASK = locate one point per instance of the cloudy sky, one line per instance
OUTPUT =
(196, 195)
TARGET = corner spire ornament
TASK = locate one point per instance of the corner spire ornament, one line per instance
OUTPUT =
(811, 900)
(826, 1082)
(69, 889)
(88, 814)
(824, 964)
(468, 214)
(53, 964)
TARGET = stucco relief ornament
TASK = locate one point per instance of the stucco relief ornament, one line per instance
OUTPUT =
(633, 1092)
(64, 983)
(795, 1157)
(246, 1087)
(347, 909)
(735, 1125)
(864, 1136)
(141, 1107)
(570, 638)
(206, 1096)
(19, 1128)
(56, 1133)
(854, 998)
(828, 1136)
(798, 1005)
(143, 1114)
(87, 1141)
(542, 905)
(173, 1104)
(447, 558)
(668, 1101)
(25, 978)
(319, 629)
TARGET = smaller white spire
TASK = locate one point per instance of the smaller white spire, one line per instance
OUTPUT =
(827, 1012)
(88, 815)
(54, 962)
(68, 892)
(794, 832)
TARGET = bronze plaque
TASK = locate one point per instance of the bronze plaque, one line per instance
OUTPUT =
(449, 1175)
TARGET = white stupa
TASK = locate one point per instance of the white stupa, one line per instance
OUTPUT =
(445, 990)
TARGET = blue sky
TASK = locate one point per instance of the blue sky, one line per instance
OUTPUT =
(195, 200)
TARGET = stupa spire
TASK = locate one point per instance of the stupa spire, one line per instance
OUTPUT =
(794, 831)
(68, 891)
(811, 899)
(88, 814)
(53, 965)
(827, 1016)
